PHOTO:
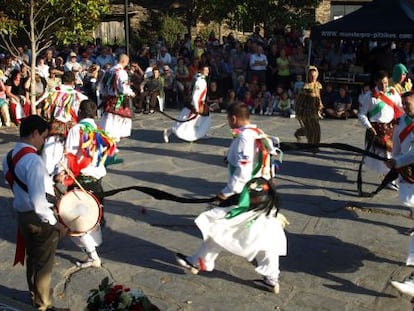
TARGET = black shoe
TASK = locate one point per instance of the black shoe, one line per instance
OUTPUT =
(138, 111)
(146, 112)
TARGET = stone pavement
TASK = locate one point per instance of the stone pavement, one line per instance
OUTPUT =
(337, 259)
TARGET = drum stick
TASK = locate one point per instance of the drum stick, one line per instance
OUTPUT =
(70, 173)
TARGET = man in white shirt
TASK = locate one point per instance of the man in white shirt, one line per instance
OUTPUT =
(27, 176)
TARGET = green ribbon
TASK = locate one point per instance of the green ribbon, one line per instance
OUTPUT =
(376, 109)
(244, 199)
(119, 101)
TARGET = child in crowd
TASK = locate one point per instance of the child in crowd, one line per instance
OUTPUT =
(248, 100)
(229, 99)
(298, 85)
(284, 106)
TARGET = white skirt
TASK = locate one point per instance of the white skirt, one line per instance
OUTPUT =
(244, 235)
(191, 130)
(116, 126)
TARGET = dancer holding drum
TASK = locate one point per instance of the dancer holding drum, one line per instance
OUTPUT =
(87, 148)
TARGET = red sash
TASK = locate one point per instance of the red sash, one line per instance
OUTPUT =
(20, 245)
(397, 111)
(406, 131)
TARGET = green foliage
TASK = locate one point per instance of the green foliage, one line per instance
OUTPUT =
(60, 20)
(171, 26)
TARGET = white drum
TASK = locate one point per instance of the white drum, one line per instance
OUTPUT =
(79, 211)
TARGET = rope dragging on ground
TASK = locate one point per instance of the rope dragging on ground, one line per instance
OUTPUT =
(180, 121)
(392, 174)
(159, 195)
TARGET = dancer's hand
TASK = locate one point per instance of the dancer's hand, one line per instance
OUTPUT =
(373, 131)
(390, 163)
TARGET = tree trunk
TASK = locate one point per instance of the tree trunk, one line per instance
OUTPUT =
(34, 55)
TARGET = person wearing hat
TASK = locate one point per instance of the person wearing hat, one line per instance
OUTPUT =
(400, 80)
(73, 65)
(307, 108)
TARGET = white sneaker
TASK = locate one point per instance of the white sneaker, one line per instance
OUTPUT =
(273, 286)
(406, 287)
(392, 186)
(96, 263)
(183, 261)
(165, 135)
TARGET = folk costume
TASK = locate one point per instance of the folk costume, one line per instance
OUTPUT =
(400, 83)
(197, 113)
(307, 107)
(238, 224)
(61, 109)
(403, 154)
(87, 148)
(379, 111)
(116, 92)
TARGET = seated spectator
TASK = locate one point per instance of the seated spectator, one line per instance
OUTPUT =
(249, 101)
(342, 105)
(241, 87)
(150, 89)
(17, 91)
(170, 85)
(298, 84)
(328, 96)
(284, 106)
(229, 99)
(266, 101)
(182, 75)
(214, 98)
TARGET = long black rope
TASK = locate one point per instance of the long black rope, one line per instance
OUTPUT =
(159, 195)
(391, 176)
(286, 146)
(195, 114)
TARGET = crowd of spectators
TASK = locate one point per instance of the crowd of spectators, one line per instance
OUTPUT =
(267, 73)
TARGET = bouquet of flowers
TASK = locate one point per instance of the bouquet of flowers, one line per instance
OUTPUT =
(109, 297)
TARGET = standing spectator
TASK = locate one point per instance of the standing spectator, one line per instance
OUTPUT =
(239, 63)
(283, 72)
(257, 65)
(26, 174)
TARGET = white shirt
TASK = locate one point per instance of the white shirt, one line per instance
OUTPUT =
(384, 116)
(32, 172)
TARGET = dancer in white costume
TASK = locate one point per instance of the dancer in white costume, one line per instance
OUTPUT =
(198, 113)
(86, 150)
(116, 93)
(378, 114)
(403, 160)
(61, 109)
(244, 220)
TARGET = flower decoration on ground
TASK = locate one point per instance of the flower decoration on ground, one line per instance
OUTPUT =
(109, 297)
